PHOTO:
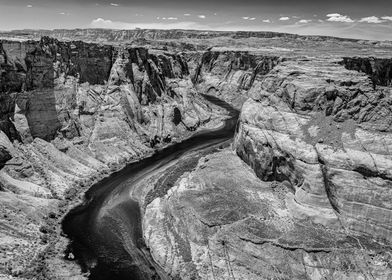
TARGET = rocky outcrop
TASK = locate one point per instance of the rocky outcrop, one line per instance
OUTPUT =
(379, 69)
(5, 149)
(310, 198)
(219, 221)
(72, 112)
(230, 74)
(326, 132)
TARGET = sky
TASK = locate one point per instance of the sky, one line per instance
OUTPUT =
(362, 19)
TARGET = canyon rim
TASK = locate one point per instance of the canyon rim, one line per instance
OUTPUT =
(147, 153)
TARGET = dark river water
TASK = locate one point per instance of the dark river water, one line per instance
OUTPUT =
(105, 231)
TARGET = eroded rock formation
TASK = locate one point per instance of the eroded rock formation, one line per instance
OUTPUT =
(220, 221)
(230, 74)
(325, 130)
(312, 200)
(379, 69)
(305, 193)
(70, 113)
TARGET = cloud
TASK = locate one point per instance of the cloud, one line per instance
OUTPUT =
(114, 4)
(201, 16)
(266, 20)
(187, 15)
(109, 24)
(172, 18)
(284, 18)
(339, 18)
(249, 18)
(304, 21)
(372, 19)
(29, 6)
(387, 18)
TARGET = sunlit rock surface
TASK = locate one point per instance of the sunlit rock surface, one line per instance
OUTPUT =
(71, 113)
(304, 194)
(220, 221)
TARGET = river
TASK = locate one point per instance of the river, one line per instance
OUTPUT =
(105, 230)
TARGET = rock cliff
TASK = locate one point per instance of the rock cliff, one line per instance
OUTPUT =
(304, 193)
(327, 132)
(230, 74)
(72, 112)
(310, 198)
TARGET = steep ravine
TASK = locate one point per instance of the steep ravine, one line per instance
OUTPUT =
(304, 195)
(304, 191)
(74, 112)
(105, 229)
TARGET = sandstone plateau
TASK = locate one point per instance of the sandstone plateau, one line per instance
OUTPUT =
(303, 191)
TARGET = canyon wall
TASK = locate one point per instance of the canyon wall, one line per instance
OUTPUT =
(73, 112)
(327, 132)
(306, 191)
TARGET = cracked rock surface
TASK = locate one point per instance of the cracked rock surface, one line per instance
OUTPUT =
(327, 132)
(305, 192)
(304, 195)
(220, 221)
(70, 114)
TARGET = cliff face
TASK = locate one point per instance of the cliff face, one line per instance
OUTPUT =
(230, 74)
(304, 194)
(71, 112)
(329, 135)
(379, 70)
(310, 198)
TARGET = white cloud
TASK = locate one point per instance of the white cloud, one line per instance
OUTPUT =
(339, 18)
(172, 18)
(284, 18)
(187, 15)
(249, 18)
(387, 18)
(372, 19)
(109, 24)
(304, 21)
(266, 21)
(29, 6)
(114, 4)
(201, 16)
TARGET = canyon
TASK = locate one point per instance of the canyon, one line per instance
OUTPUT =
(154, 154)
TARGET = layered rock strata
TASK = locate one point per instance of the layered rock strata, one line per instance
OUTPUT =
(327, 132)
(310, 197)
(220, 221)
(307, 198)
(229, 75)
(72, 112)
